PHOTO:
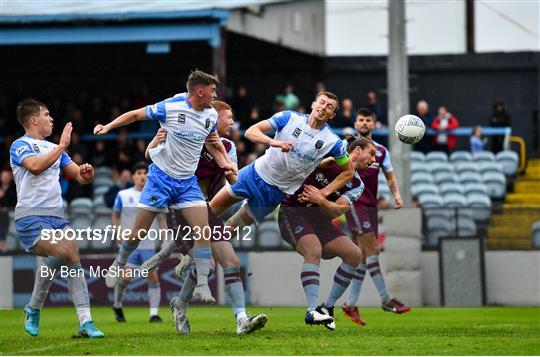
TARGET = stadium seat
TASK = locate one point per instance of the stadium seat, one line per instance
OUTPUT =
(437, 227)
(448, 188)
(446, 177)
(509, 160)
(437, 167)
(103, 181)
(432, 205)
(467, 178)
(479, 188)
(484, 156)
(486, 167)
(419, 167)
(463, 226)
(81, 206)
(99, 201)
(496, 184)
(424, 188)
(418, 156)
(454, 200)
(101, 221)
(80, 223)
(536, 234)
(461, 167)
(100, 190)
(103, 171)
(461, 156)
(481, 206)
(421, 177)
(268, 234)
(436, 156)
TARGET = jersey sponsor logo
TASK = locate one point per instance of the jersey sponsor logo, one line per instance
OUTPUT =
(20, 150)
(207, 123)
(319, 144)
(181, 118)
(321, 179)
(302, 156)
(36, 148)
(189, 136)
(298, 229)
(296, 132)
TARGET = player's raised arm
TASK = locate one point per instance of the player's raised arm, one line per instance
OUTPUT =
(39, 164)
(333, 209)
(256, 134)
(339, 152)
(394, 188)
(122, 120)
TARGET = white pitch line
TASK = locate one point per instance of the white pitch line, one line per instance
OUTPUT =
(41, 349)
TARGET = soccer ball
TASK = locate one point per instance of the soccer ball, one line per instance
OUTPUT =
(410, 129)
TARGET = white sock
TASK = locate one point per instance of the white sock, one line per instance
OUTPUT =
(84, 315)
(154, 311)
(241, 315)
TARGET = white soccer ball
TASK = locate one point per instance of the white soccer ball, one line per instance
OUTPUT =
(410, 129)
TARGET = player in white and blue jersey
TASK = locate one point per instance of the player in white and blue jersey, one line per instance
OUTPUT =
(123, 216)
(300, 143)
(190, 122)
(36, 165)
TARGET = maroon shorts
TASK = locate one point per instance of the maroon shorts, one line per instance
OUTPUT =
(363, 219)
(184, 234)
(296, 222)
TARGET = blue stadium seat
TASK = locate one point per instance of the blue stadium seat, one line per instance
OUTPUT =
(509, 160)
(486, 167)
(421, 177)
(268, 234)
(417, 156)
(536, 234)
(478, 188)
(484, 156)
(446, 177)
(437, 167)
(423, 188)
(495, 183)
(463, 226)
(447, 188)
(430, 200)
(454, 200)
(481, 206)
(436, 156)
(437, 227)
(462, 167)
(461, 156)
(470, 177)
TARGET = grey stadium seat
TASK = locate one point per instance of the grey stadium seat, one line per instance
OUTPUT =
(99, 201)
(454, 188)
(423, 188)
(268, 234)
(100, 190)
(103, 181)
(437, 227)
(462, 167)
(81, 206)
(461, 156)
(446, 177)
(421, 177)
(486, 167)
(436, 156)
(536, 234)
(481, 206)
(470, 177)
(104, 171)
(484, 156)
(437, 167)
(419, 167)
(463, 226)
(480, 188)
(418, 156)
(495, 183)
(509, 160)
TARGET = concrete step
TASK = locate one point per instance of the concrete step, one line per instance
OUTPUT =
(523, 198)
(509, 232)
(510, 244)
(514, 220)
(527, 186)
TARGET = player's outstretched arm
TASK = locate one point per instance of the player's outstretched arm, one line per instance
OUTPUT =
(333, 209)
(346, 175)
(392, 182)
(256, 134)
(218, 151)
(122, 120)
(39, 164)
(84, 174)
(160, 137)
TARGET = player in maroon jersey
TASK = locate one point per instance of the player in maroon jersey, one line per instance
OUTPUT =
(363, 223)
(305, 222)
(211, 178)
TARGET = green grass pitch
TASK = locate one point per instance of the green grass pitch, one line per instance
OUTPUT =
(423, 331)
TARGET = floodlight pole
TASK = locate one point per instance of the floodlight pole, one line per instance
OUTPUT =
(398, 94)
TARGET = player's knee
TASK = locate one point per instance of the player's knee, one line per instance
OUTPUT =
(153, 278)
(238, 220)
(355, 257)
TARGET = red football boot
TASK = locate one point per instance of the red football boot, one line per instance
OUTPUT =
(353, 313)
(396, 306)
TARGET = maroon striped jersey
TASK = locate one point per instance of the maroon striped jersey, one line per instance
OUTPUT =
(209, 169)
(370, 177)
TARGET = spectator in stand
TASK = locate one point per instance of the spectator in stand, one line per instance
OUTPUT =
(254, 117)
(499, 118)
(289, 99)
(477, 143)
(99, 156)
(124, 151)
(123, 182)
(242, 106)
(140, 148)
(422, 111)
(8, 200)
(444, 121)
(373, 105)
(345, 117)
(77, 147)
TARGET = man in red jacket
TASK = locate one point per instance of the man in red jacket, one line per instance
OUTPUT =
(444, 121)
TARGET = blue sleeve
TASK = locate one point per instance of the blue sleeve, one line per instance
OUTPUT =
(339, 150)
(213, 130)
(65, 160)
(354, 194)
(387, 164)
(19, 151)
(157, 111)
(117, 207)
(279, 120)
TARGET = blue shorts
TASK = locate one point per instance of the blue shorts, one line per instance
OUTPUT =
(162, 191)
(29, 228)
(262, 198)
(139, 256)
